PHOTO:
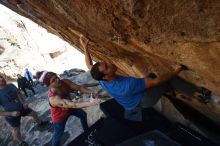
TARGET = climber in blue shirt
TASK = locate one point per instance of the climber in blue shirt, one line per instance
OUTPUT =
(28, 75)
(131, 92)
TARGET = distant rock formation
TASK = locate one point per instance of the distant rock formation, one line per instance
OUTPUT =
(2, 49)
(24, 44)
(56, 54)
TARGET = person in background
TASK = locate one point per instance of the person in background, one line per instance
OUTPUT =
(28, 75)
(61, 105)
(15, 107)
(23, 84)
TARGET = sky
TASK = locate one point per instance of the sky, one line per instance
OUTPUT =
(45, 43)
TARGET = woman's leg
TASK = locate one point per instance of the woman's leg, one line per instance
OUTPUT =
(58, 132)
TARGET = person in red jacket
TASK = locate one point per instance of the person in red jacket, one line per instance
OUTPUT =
(61, 104)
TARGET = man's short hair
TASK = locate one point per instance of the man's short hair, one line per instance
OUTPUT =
(96, 74)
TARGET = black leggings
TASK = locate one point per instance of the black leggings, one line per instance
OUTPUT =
(152, 95)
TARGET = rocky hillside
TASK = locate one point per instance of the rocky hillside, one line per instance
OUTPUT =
(24, 44)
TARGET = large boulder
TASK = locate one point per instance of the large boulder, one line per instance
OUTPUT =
(141, 36)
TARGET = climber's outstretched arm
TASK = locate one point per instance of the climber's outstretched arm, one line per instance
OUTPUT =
(84, 42)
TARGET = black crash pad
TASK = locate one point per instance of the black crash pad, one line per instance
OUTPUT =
(151, 118)
(105, 132)
(152, 138)
(114, 129)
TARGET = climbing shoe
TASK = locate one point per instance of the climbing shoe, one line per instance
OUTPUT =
(205, 94)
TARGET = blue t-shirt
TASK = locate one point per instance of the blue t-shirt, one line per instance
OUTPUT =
(28, 75)
(127, 91)
(9, 98)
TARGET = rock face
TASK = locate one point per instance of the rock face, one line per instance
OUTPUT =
(141, 36)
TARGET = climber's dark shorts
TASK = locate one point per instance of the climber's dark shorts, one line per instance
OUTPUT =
(15, 121)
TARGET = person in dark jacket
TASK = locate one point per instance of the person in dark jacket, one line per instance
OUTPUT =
(23, 83)
(28, 75)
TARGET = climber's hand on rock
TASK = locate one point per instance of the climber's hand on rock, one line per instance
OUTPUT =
(177, 70)
(84, 41)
